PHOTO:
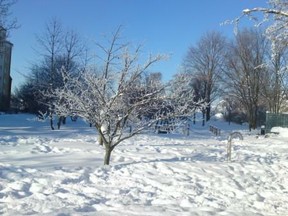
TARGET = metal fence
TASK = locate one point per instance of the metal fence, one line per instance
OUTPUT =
(276, 120)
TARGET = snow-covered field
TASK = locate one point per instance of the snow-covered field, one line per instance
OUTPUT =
(44, 172)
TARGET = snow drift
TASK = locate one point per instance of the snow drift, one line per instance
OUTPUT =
(44, 172)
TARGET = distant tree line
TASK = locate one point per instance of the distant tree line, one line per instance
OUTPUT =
(120, 96)
(57, 49)
(246, 75)
(242, 74)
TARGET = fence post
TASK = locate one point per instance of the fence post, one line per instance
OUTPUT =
(216, 131)
(229, 144)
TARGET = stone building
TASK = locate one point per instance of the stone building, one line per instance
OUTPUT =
(5, 64)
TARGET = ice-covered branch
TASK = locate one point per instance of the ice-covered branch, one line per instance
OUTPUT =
(265, 10)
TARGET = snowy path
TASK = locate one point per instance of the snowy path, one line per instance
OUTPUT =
(44, 173)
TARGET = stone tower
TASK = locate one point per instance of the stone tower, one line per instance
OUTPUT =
(5, 65)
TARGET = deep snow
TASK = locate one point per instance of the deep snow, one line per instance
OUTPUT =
(44, 172)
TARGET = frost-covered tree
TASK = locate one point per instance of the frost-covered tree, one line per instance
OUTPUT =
(275, 18)
(275, 80)
(114, 98)
(191, 92)
(185, 94)
(275, 15)
(57, 48)
(145, 84)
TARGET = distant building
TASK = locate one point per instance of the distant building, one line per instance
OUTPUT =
(5, 63)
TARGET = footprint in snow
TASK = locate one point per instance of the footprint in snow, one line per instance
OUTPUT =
(42, 149)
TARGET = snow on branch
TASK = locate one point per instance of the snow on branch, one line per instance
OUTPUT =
(120, 98)
(266, 11)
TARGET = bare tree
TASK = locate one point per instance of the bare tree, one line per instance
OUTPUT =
(275, 18)
(244, 71)
(73, 50)
(205, 61)
(6, 21)
(50, 47)
(51, 44)
(275, 79)
(57, 48)
(275, 15)
(105, 97)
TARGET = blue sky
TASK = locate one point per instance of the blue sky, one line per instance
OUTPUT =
(164, 26)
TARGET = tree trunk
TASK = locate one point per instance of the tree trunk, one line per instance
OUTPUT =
(229, 117)
(203, 118)
(194, 118)
(208, 113)
(64, 120)
(51, 121)
(60, 120)
(108, 152)
(100, 140)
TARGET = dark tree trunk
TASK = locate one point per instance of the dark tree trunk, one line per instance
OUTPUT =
(229, 117)
(252, 117)
(64, 120)
(208, 113)
(203, 118)
(194, 118)
(255, 120)
(60, 120)
(51, 121)
(107, 156)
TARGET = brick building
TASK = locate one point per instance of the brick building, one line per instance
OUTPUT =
(5, 64)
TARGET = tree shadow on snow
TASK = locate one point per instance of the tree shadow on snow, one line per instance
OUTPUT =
(195, 158)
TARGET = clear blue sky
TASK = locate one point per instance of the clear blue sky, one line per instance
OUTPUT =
(165, 26)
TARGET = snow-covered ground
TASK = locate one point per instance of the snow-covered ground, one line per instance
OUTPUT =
(44, 172)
